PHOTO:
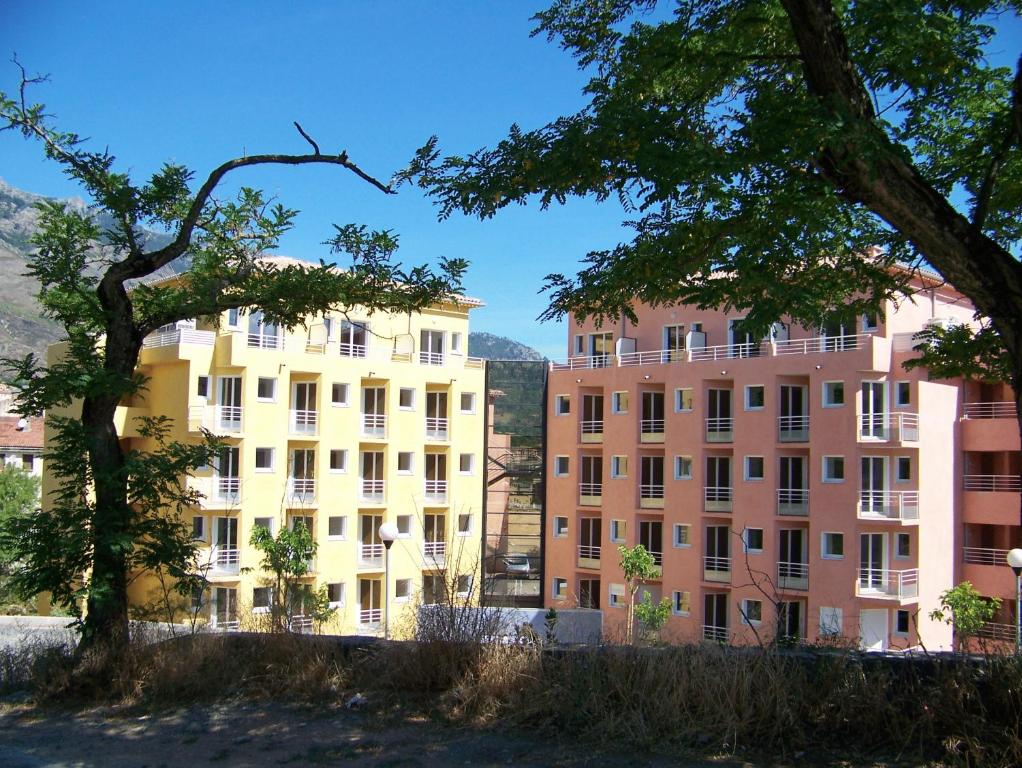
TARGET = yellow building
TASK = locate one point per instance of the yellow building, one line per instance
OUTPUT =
(344, 424)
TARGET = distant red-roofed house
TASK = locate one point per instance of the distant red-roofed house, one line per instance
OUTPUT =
(21, 443)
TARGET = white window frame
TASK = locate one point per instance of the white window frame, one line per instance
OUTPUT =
(272, 527)
(894, 624)
(747, 476)
(562, 405)
(410, 455)
(402, 391)
(679, 400)
(466, 530)
(679, 467)
(676, 536)
(471, 464)
(578, 345)
(897, 469)
(468, 585)
(202, 528)
(273, 459)
(898, 538)
(559, 588)
(746, 619)
(471, 402)
(560, 524)
(831, 621)
(343, 594)
(867, 326)
(825, 400)
(198, 381)
(824, 553)
(618, 530)
(404, 526)
(745, 541)
(616, 401)
(234, 317)
(677, 601)
(616, 596)
(748, 391)
(345, 389)
(827, 478)
(899, 388)
(456, 342)
(343, 535)
(615, 467)
(269, 600)
(558, 472)
(343, 469)
(273, 395)
(398, 584)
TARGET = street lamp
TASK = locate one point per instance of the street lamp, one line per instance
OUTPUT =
(389, 532)
(1015, 561)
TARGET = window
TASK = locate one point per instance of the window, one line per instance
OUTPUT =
(833, 469)
(681, 603)
(901, 622)
(617, 531)
(202, 386)
(753, 467)
(404, 526)
(337, 527)
(466, 463)
(577, 345)
(619, 402)
(560, 588)
(903, 393)
(830, 621)
(832, 546)
(618, 466)
(902, 545)
(464, 524)
(27, 462)
(339, 394)
(406, 398)
(833, 394)
(560, 466)
(869, 322)
(335, 594)
(263, 522)
(468, 402)
(617, 595)
(197, 601)
(682, 467)
(233, 318)
(560, 527)
(752, 611)
(199, 528)
(264, 459)
(683, 400)
(464, 584)
(562, 405)
(266, 389)
(904, 469)
(755, 397)
(682, 535)
(339, 460)
(753, 540)
(455, 342)
(402, 590)
(260, 600)
(404, 462)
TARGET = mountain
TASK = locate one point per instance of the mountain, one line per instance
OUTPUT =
(491, 347)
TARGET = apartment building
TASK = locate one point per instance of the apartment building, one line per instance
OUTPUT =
(802, 485)
(351, 421)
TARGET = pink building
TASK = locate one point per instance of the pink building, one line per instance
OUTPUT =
(804, 485)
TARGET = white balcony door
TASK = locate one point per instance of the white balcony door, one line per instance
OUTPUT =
(792, 547)
(793, 405)
(374, 401)
(436, 405)
(872, 560)
(874, 399)
(370, 529)
(228, 462)
(742, 343)
(225, 605)
(436, 466)
(719, 407)
(303, 464)
(264, 334)
(873, 629)
(431, 346)
(873, 483)
(369, 598)
(229, 401)
(225, 533)
(674, 338)
(303, 396)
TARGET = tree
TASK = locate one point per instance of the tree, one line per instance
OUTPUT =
(791, 158)
(638, 567)
(966, 610)
(652, 616)
(19, 495)
(110, 516)
(287, 558)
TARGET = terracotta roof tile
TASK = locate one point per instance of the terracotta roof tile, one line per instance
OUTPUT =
(12, 437)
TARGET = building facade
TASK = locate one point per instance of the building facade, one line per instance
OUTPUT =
(804, 485)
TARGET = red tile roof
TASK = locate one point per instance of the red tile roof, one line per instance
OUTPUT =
(12, 437)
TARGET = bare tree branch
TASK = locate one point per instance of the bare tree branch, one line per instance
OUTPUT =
(306, 136)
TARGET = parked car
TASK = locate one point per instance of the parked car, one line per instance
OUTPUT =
(516, 565)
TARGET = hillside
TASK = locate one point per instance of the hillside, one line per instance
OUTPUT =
(491, 347)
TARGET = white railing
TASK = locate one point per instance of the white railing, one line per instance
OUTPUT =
(808, 346)
(265, 341)
(227, 624)
(653, 357)
(370, 554)
(589, 551)
(227, 488)
(888, 426)
(651, 426)
(368, 616)
(372, 490)
(724, 352)
(436, 428)
(716, 634)
(719, 429)
(880, 582)
(374, 424)
(431, 358)
(352, 350)
(651, 491)
(436, 490)
(301, 489)
(815, 344)
(575, 363)
(224, 559)
(992, 483)
(658, 557)
(477, 363)
(1001, 410)
(590, 489)
(179, 336)
(717, 492)
(227, 418)
(984, 556)
(592, 427)
(793, 501)
(301, 623)
(793, 575)
(995, 631)
(717, 564)
(434, 552)
(303, 422)
(888, 505)
(793, 428)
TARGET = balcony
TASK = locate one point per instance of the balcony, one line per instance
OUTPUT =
(651, 495)
(590, 494)
(1001, 410)
(374, 425)
(888, 585)
(895, 506)
(651, 431)
(372, 491)
(989, 427)
(431, 358)
(984, 556)
(303, 422)
(301, 490)
(436, 428)
(227, 490)
(992, 483)
(591, 431)
(265, 341)
(889, 427)
(370, 556)
(720, 430)
(793, 575)
(223, 561)
(370, 617)
(218, 419)
(352, 350)
(995, 631)
(717, 568)
(589, 556)
(434, 554)
(717, 498)
(179, 336)
(716, 634)
(793, 429)
(793, 502)
(435, 492)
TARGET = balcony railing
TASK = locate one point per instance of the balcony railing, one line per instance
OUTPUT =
(227, 418)
(591, 430)
(435, 491)
(224, 560)
(229, 623)
(588, 552)
(179, 336)
(370, 616)
(995, 631)
(227, 489)
(651, 426)
(716, 634)
(215, 418)
(372, 490)
(588, 492)
(651, 491)
(304, 422)
(888, 505)
(992, 483)
(792, 575)
(371, 555)
(792, 429)
(889, 427)
(434, 553)
(716, 568)
(793, 501)
(431, 358)
(436, 428)
(374, 424)
(352, 350)
(984, 556)
(720, 429)
(265, 341)
(717, 498)
(816, 344)
(301, 489)
(883, 583)
(1001, 410)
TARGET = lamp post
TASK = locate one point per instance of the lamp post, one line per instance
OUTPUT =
(389, 532)
(1015, 561)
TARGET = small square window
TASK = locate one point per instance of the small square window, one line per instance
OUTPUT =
(617, 595)
(466, 463)
(560, 466)
(402, 590)
(560, 588)
(833, 394)
(404, 525)
(682, 535)
(618, 466)
(903, 545)
(755, 397)
(202, 386)
(904, 468)
(682, 467)
(830, 621)
(266, 389)
(901, 622)
(263, 522)
(264, 459)
(464, 585)
(339, 460)
(199, 528)
(468, 402)
(619, 402)
(869, 322)
(406, 398)
(562, 405)
(560, 527)
(404, 462)
(681, 603)
(903, 393)
(464, 524)
(683, 400)
(233, 318)
(753, 540)
(833, 469)
(339, 394)
(617, 531)
(752, 611)
(455, 342)
(753, 467)
(335, 594)
(833, 545)
(261, 600)
(337, 527)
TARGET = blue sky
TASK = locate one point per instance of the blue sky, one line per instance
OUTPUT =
(198, 82)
